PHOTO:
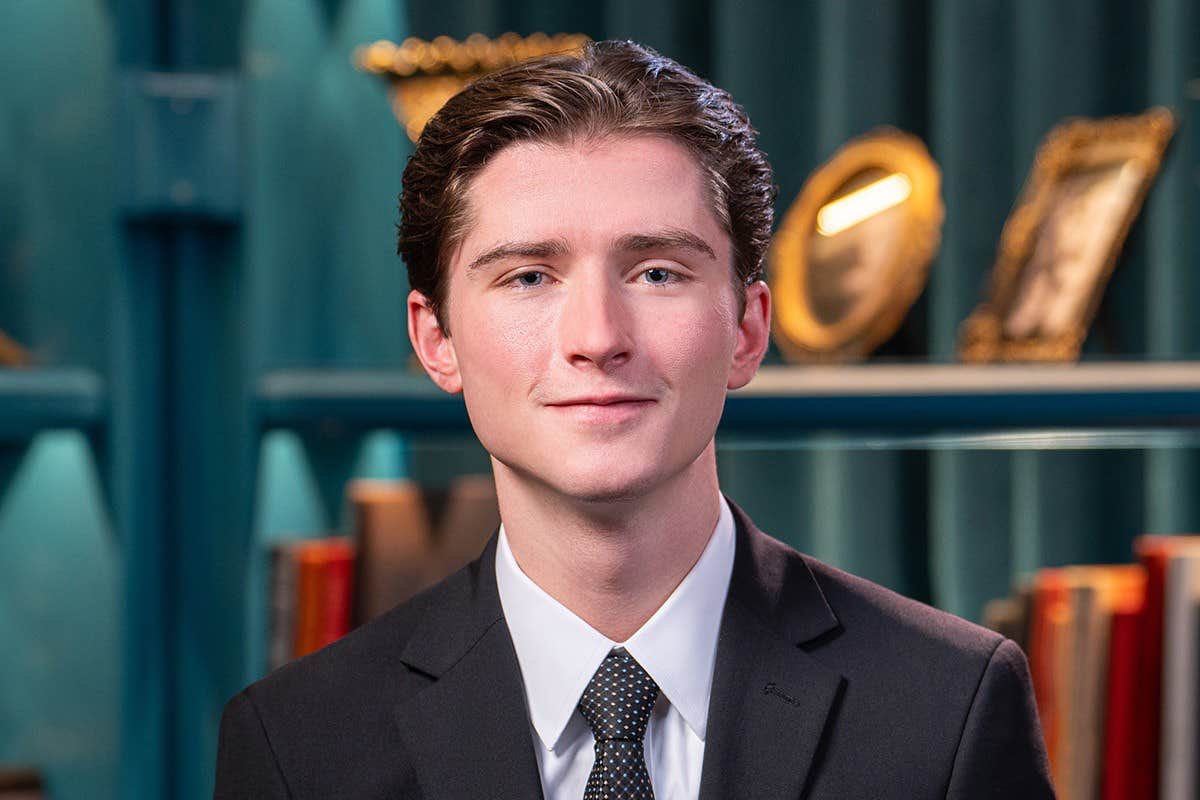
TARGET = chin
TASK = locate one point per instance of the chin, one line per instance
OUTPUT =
(596, 485)
(607, 492)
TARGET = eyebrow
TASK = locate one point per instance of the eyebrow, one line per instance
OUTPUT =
(543, 249)
(669, 239)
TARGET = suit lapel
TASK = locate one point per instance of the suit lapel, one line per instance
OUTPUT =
(770, 699)
(468, 733)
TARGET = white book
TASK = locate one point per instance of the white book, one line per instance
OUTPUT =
(1181, 674)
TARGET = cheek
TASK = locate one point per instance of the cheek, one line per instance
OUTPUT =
(701, 339)
(497, 346)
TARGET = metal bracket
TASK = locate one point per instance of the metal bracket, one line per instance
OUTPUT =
(180, 145)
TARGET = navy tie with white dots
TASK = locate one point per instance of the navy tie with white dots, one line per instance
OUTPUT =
(617, 704)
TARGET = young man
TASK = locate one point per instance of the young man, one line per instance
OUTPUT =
(584, 238)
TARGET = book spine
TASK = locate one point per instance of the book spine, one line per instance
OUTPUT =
(1179, 695)
(309, 563)
(1146, 734)
(1049, 621)
(1118, 778)
(336, 594)
(282, 625)
(1090, 653)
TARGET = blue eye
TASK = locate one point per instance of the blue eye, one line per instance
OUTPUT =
(658, 276)
(529, 279)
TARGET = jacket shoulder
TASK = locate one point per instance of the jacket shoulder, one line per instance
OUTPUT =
(891, 621)
(960, 693)
(366, 661)
(328, 721)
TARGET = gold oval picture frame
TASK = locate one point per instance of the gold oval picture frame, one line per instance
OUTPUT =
(852, 254)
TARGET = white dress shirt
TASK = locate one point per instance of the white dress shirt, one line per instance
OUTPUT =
(559, 652)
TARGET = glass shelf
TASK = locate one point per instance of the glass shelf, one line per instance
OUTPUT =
(32, 401)
(907, 398)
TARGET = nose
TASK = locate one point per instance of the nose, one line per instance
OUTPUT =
(595, 325)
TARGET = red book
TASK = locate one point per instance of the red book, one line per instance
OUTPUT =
(324, 569)
(1153, 552)
(1120, 778)
(337, 591)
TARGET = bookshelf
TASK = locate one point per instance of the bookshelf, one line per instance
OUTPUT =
(918, 397)
(37, 400)
(872, 407)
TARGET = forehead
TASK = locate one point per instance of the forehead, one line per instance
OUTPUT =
(588, 192)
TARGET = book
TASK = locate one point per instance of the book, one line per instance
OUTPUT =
(20, 783)
(1181, 666)
(1126, 665)
(1094, 592)
(324, 587)
(1047, 645)
(1010, 616)
(471, 516)
(283, 589)
(1152, 552)
(394, 537)
(1003, 615)
(1114, 653)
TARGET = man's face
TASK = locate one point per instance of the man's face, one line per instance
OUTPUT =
(593, 319)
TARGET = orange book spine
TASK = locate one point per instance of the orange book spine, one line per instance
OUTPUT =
(1050, 607)
(309, 564)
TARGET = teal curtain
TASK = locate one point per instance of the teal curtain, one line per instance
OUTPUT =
(60, 594)
(181, 317)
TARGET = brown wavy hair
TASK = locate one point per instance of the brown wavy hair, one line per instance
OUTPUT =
(612, 88)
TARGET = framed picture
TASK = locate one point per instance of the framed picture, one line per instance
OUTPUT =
(852, 253)
(1061, 242)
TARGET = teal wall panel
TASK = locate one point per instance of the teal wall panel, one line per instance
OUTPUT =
(1173, 249)
(62, 595)
(59, 620)
(326, 156)
(58, 162)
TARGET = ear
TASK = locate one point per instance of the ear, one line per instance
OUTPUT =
(432, 346)
(754, 334)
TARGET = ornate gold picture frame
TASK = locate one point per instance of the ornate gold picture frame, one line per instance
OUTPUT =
(423, 75)
(852, 253)
(1062, 240)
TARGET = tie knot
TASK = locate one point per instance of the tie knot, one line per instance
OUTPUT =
(619, 698)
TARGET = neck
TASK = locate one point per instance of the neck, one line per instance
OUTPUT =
(613, 563)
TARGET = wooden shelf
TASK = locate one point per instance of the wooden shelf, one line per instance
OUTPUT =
(37, 400)
(798, 399)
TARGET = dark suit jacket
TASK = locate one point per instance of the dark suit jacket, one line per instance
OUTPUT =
(825, 686)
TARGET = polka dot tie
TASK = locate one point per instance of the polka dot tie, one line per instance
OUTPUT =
(617, 704)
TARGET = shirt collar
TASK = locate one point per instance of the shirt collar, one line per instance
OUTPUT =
(559, 652)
